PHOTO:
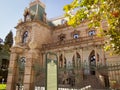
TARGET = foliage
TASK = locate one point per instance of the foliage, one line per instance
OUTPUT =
(98, 12)
(2, 86)
(9, 39)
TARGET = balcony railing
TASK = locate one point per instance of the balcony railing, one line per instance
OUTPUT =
(94, 40)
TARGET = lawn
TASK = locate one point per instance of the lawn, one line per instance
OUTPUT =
(2, 86)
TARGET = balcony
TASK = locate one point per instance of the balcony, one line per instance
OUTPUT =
(93, 40)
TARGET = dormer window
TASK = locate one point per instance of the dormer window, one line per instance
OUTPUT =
(63, 21)
(91, 33)
(25, 36)
(75, 36)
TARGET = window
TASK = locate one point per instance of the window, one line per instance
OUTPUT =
(63, 21)
(91, 33)
(24, 38)
(75, 36)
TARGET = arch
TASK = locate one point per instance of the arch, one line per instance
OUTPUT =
(24, 37)
(21, 70)
(76, 61)
(92, 62)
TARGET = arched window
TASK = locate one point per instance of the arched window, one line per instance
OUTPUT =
(24, 37)
(91, 33)
(21, 70)
(92, 61)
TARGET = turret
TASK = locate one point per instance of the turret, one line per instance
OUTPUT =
(36, 11)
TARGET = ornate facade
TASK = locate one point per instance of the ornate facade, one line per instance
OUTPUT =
(35, 36)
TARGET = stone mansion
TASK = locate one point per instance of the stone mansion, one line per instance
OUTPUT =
(36, 35)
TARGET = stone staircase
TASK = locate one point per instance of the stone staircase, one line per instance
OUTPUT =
(91, 80)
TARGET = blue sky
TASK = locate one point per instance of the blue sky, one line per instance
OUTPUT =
(12, 10)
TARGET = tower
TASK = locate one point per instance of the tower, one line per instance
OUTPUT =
(36, 11)
(31, 33)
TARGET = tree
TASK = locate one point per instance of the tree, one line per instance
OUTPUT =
(9, 39)
(97, 12)
(1, 46)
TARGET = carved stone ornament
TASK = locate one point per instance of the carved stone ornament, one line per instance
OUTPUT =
(27, 15)
(32, 45)
(75, 32)
(61, 37)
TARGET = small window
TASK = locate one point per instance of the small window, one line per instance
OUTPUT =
(91, 33)
(75, 36)
(25, 35)
(63, 21)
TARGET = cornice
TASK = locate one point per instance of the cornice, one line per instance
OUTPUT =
(23, 24)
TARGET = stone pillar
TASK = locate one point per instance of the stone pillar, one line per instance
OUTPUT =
(81, 51)
(63, 58)
(75, 51)
(11, 80)
(29, 73)
(58, 54)
(96, 58)
(103, 58)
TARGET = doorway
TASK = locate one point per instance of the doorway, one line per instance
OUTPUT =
(92, 62)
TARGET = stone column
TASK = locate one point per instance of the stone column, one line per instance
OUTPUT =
(75, 57)
(63, 58)
(11, 82)
(58, 54)
(81, 51)
(29, 72)
(96, 58)
(103, 57)
(12, 74)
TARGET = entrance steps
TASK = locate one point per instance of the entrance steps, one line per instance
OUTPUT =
(91, 80)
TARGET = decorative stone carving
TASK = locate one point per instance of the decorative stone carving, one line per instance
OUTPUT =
(20, 21)
(32, 45)
(27, 15)
(17, 49)
(61, 37)
(75, 32)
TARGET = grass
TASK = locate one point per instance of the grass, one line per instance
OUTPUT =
(2, 86)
